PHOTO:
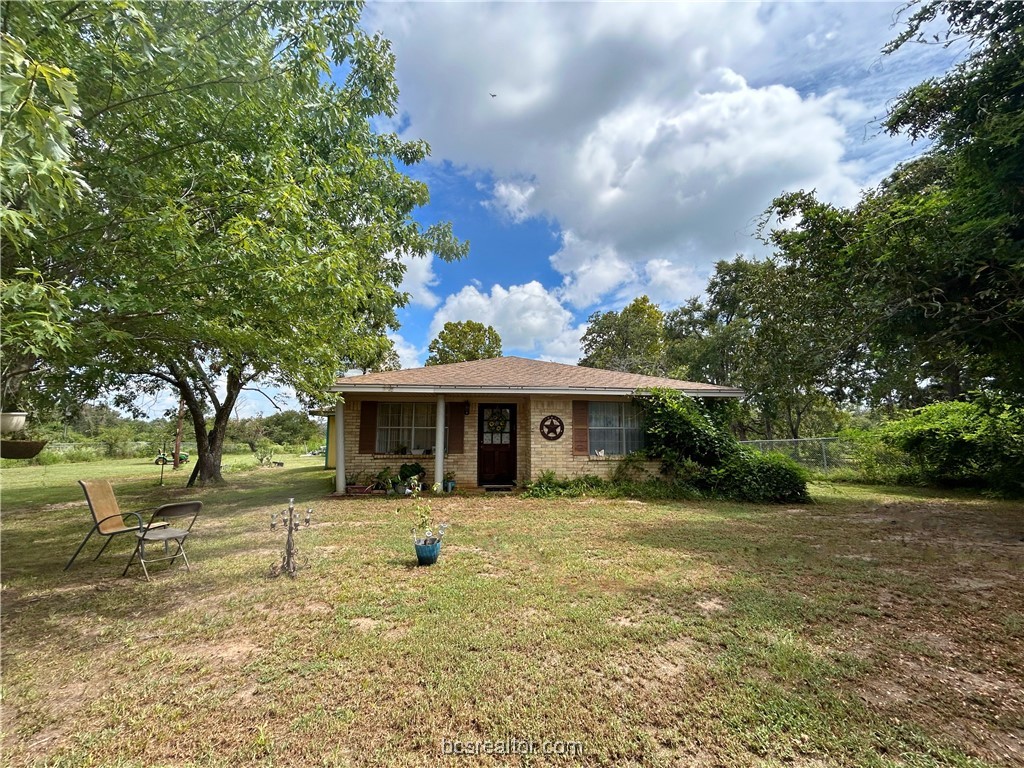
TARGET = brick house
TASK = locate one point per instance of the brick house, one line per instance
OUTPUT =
(501, 422)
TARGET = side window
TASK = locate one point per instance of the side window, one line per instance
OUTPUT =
(614, 429)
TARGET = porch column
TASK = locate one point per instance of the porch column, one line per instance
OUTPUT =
(339, 446)
(439, 442)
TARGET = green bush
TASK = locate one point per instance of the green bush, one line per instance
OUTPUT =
(117, 441)
(74, 455)
(678, 429)
(698, 453)
(749, 475)
(407, 471)
(48, 458)
(548, 486)
(264, 452)
(977, 443)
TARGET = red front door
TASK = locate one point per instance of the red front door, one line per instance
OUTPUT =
(496, 445)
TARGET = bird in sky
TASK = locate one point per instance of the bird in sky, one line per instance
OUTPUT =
(493, 95)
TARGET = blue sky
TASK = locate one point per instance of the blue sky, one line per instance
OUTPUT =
(629, 146)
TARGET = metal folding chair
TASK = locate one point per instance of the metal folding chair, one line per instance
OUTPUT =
(109, 520)
(159, 530)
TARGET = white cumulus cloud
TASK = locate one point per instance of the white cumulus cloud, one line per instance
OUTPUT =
(418, 280)
(528, 317)
(511, 199)
(409, 355)
(652, 134)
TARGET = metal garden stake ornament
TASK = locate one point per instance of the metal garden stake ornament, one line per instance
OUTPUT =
(290, 519)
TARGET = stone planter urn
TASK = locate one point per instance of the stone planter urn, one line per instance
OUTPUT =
(12, 421)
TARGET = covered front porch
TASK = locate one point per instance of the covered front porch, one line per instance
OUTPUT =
(474, 441)
(339, 443)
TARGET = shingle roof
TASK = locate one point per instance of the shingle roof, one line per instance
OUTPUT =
(520, 375)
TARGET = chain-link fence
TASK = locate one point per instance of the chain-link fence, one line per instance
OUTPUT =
(856, 459)
(825, 454)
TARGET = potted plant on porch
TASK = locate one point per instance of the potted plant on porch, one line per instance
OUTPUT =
(411, 475)
(449, 481)
(357, 483)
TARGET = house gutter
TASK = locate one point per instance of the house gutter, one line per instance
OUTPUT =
(392, 389)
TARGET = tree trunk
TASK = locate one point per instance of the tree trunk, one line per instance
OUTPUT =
(210, 445)
(16, 367)
(209, 463)
(793, 418)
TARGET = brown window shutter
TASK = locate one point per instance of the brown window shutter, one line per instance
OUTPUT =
(580, 427)
(368, 426)
(456, 418)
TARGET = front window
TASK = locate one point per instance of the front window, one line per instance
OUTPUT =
(406, 427)
(615, 429)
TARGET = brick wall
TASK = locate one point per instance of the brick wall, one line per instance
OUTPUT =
(557, 455)
(535, 454)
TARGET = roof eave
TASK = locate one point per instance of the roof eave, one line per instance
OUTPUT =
(397, 389)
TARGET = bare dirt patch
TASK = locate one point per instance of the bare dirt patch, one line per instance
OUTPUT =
(397, 632)
(364, 624)
(65, 505)
(969, 584)
(940, 654)
(711, 605)
(234, 651)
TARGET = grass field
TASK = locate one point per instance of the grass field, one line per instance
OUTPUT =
(876, 627)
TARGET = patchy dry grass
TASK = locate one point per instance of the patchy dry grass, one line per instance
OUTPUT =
(872, 628)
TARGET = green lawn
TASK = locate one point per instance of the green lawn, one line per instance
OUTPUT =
(875, 627)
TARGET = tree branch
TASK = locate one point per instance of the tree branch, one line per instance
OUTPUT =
(226, 80)
(260, 391)
(245, 9)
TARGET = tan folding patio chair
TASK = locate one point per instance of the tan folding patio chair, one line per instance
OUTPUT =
(159, 531)
(108, 518)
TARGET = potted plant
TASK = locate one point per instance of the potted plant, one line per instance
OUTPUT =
(12, 421)
(16, 443)
(414, 472)
(382, 480)
(356, 483)
(449, 481)
(426, 539)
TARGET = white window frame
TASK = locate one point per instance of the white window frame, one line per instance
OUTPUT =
(407, 433)
(627, 439)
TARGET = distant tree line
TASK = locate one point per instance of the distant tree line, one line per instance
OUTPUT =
(112, 433)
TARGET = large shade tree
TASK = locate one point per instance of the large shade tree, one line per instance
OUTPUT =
(931, 262)
(629, 340)
(228, 216)
(461, 341)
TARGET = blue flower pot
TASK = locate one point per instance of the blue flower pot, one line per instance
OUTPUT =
(427, 554)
